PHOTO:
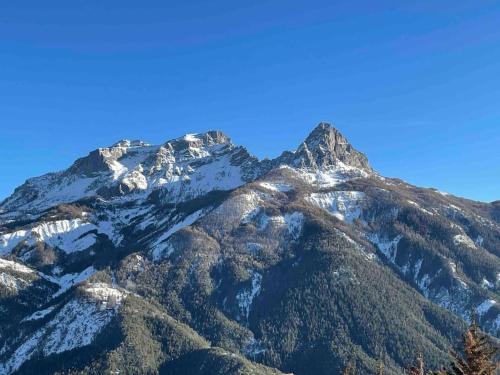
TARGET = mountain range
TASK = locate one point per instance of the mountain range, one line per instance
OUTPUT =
(195, 257)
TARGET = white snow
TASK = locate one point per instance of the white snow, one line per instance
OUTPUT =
(184, 182)
(294, 222)
(424, 283)
(104, 292)
(241, 208)
(486, 284)
(246, 296)
(162, 251)
(344, 205)
(253, 247)
(65, 282)
(14, 266)
(479, 240)
(39, 314)
(188, 220)
(68, 235)
(328, 177)
(161, 247)
(276, 186)
(463, 239)
(387, 247)
(10, 240)
(135, 180)
(253, 348)
(12, 283)
(417, 267)
(191, 137)
(74, 326)
(415, 204)
(184, 173)
(485, 306)
(453, 267)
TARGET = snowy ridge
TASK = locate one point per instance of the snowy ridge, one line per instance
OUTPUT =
(15, 276)
(75, 325)
(153, 204)
(186, 167)
(14, 266)
(67, 281)
(161, 248)
(68, 235)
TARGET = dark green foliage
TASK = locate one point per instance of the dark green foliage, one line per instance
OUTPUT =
(214, 361)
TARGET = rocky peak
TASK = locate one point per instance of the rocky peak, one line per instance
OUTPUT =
(201, 140)
(324, 147)
(126, 143)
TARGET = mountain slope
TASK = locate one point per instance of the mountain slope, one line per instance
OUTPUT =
(189, 256)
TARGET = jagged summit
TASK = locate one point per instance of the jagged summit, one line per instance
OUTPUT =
(183, 167)
(324, 147)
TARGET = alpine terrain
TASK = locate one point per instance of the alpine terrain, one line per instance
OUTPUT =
(195, 257)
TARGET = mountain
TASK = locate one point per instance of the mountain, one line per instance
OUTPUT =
(195, 257)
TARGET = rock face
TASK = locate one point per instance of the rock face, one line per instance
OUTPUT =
(323, 148)
(220, 263)
(184, 167)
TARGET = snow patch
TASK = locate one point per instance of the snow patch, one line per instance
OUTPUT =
(463, 239)
(65, 282)
(485, 306)
(37, 315)
(74, 326)
(13, 283)
(344, 205)
(68, 235)
(253, 247)
(486, 284)
(415, 204)
(328, 177)
(387, 247)
(294, 222)
(104, 292)
(246, 296)
(162, 248)
(14, 266)
(276, 186)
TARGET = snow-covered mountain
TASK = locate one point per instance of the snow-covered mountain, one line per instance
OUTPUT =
(206, 254)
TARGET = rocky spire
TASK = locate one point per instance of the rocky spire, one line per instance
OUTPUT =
(325, 147)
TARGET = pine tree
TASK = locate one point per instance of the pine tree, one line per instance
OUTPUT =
(349, 369)
(380, 370)
(419, 369)
(478, 355)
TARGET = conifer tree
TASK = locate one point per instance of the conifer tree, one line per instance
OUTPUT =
(419, 369)
(349, 369)
(380, 370)
(478, 355)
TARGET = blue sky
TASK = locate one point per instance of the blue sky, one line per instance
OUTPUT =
(414, 85)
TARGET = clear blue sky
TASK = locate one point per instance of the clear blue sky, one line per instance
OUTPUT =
(414, 85)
